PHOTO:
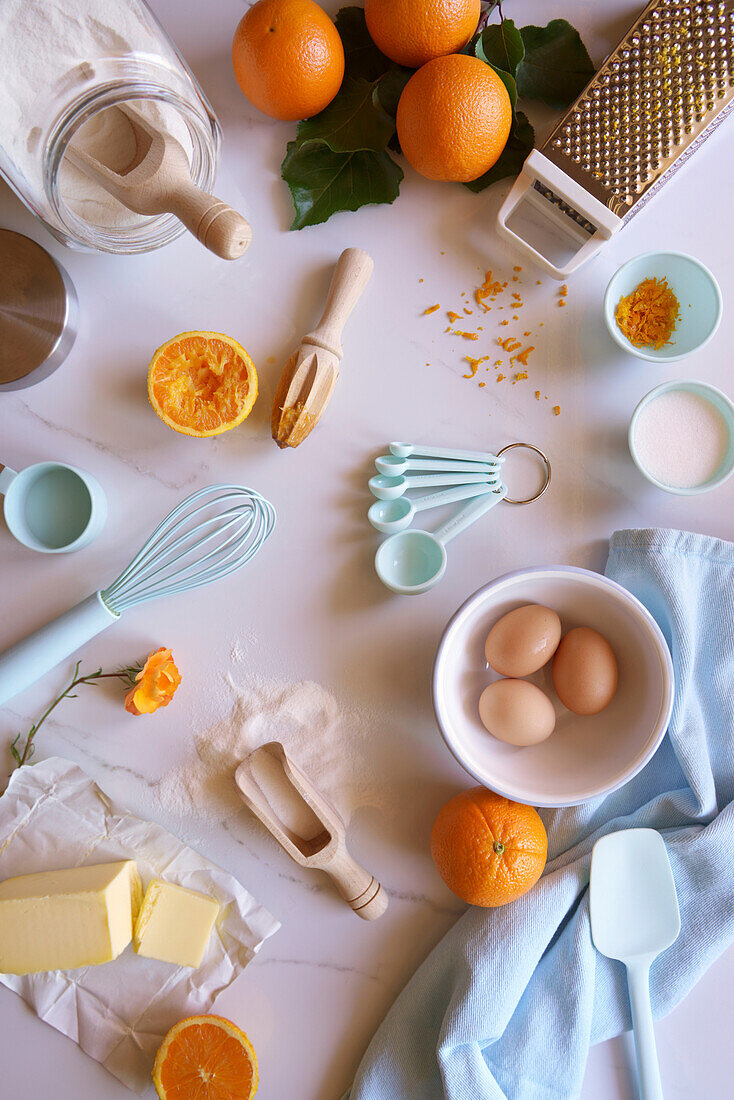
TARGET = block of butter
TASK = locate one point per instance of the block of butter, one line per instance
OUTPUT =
(59, 920)
(174, 924)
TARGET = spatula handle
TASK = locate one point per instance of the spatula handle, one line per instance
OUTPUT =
(219, 228)
(357, 886)
(351, 275)
(647, 1059)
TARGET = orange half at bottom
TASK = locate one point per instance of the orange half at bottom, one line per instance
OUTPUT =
(206, 1058)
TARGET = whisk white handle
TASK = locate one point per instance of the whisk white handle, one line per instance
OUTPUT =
(34, 656)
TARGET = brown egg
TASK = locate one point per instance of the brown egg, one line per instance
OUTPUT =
(585, 671)
(517, 712)
(523, 640)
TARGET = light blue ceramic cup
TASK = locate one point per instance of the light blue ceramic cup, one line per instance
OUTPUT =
(720, 401)
(695, 288)
(52, 507)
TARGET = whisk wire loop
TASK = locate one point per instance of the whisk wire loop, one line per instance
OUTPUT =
(210, 534)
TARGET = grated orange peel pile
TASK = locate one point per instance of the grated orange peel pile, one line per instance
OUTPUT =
(648, 316)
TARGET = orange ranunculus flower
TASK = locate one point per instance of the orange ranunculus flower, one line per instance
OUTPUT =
(156, 683)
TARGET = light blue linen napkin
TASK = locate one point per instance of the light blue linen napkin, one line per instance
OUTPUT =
(507, 1005)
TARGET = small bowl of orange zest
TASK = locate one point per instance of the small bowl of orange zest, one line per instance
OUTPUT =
(662, 306)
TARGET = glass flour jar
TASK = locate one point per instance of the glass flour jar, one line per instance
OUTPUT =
(65, 64)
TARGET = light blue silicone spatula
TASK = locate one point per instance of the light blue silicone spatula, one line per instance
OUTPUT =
(634, 916)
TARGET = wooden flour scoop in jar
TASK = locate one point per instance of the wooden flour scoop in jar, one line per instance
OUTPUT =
(158, 181)
(309, 376)
(306, 825)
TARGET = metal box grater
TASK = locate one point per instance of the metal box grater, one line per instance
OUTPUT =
(665, 88)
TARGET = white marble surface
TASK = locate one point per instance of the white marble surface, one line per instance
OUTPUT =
(310, 605)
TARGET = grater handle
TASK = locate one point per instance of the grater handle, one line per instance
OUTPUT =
(538, 167)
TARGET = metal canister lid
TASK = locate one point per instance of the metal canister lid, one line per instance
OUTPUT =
(38, 312)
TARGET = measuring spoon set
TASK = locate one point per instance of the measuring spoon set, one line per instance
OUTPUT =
(410, 562)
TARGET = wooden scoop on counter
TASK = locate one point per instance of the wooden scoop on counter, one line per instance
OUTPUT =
(269, 784)
(309, 376)
(158, 181)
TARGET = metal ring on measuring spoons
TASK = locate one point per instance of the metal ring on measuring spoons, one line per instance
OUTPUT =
(546, 482)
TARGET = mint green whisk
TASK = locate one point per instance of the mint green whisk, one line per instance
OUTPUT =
(210, 534)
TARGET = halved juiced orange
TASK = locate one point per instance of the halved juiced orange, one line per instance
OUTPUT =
(202, 383)
(206, 1058)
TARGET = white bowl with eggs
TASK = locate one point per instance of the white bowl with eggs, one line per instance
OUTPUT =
(586, 756)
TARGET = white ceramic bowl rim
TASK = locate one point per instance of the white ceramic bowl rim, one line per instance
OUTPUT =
(661, 648)
(622, 340)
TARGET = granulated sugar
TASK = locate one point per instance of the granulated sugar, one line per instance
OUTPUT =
(328, 740)
(681, 438)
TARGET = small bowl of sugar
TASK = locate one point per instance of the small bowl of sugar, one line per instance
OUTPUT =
(681, 437)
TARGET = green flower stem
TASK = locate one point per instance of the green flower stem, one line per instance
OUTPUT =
(23, 755)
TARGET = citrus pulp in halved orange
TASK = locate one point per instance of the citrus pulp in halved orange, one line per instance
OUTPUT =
(206, 1058)
(202, 383)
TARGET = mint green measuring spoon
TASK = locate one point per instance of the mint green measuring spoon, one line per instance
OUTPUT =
(414, 561)
(405, 450)
(389, 488)
(394, 466)
(390, 516)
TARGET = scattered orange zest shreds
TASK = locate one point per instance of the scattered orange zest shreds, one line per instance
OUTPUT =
(562, 303)
(537, 395)
(468, 311)
(466, 335)
(511, 344)
(432, 309)
(452, 316)
(517, 269)
(487, 290)
(498, 362)
(522, 357)
(515, 317)
(563, 292)
(556, 410)
(527, 334)
(474, 364)
(482, 385)
(500, 377)
(520, 376)
(504, 323)
(648, 316)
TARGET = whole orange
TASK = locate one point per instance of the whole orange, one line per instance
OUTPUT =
(487, 849)
(454, 118)
(412, 32)
(288, 58)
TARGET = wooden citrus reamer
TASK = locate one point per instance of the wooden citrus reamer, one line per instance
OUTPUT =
(158, 181)
(325, 852)
(309, 376)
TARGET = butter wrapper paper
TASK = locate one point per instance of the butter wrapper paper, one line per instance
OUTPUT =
(52, 816)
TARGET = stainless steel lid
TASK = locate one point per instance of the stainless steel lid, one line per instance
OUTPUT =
(38, 312)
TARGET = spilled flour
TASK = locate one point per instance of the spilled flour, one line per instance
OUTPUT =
(330, 742)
